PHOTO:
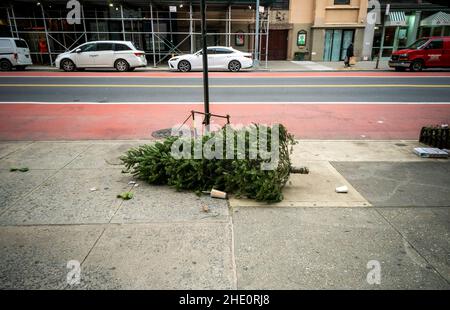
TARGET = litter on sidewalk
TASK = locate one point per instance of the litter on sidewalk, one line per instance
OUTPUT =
(23, 169)
(430, 152)
(218, 194)
(342, 189)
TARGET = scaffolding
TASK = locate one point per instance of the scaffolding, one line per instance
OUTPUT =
(152, 28)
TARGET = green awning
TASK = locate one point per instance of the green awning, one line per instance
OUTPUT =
(396, 19)
(438, 19)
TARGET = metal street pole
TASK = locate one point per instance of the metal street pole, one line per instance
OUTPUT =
(380, 53)
(205, 63)
(256, 60)
(383, 22)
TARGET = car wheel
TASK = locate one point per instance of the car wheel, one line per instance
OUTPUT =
(5, 65)
(68, 65)
(234, 66)
(417, 66)
(184, 66)
(121, 65)
(400, 69)
(20, 68)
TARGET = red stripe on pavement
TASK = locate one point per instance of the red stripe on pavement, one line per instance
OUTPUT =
(223, 74)
(132, 121)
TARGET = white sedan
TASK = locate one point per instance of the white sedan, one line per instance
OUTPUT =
(219, 57)
(122, 55)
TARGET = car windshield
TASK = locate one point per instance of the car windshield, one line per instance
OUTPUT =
(416, 45)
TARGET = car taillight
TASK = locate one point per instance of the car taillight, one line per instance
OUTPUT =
(248, 56)
(139, 54)
(15, 56)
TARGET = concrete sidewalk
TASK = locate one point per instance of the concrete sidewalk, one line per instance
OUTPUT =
(283, 65)
(273, 65)
(397, 212)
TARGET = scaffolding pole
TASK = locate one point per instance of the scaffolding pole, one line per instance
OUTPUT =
(62, 29)
(14, 19)
(123, 24)
(191, 29)
(84, 24)
(159, 41)
(229, 26)
(10, 23)
(153, 36)
(96, 25)
(46, 36)
(256, 62)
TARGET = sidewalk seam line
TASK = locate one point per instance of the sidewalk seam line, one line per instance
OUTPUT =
(12, 152)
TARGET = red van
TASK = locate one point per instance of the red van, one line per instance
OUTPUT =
(432, 52)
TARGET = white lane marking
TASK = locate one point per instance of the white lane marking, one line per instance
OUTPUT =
(226, 103)
(237, 76)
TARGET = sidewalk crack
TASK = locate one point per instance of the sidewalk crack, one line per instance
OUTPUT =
(405, 240)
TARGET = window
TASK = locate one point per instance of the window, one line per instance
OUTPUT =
(436, 44)
(341, 2)
(416, 45)
(221, 50)
(121, 47)
(104, 47)
(5, 43)
(21, 43)
(88, 47)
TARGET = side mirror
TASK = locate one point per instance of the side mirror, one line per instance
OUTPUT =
(78, 50)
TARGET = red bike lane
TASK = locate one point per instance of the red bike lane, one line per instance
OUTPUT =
(62, 121)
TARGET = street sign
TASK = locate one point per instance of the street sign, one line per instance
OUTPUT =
(261, 9)
(173, 9)
(388, 8)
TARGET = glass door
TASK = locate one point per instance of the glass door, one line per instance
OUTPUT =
(336, 43)
(347, 39)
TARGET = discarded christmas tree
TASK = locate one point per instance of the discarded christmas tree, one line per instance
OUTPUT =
(250, 162)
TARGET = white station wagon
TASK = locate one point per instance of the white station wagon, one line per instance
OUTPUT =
(219, 57)
(122, 55)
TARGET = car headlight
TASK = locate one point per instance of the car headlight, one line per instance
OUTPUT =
(173, 59)
(403, 55)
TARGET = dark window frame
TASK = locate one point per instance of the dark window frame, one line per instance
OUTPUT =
(435, 41)
(341, 2)
(222, 51)
(84, 46)
(127, 48)
(104, 43)
(24, 44)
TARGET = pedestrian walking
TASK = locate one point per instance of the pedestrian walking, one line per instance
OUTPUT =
(349, 54)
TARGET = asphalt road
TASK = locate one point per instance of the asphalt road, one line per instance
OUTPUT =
(179, 88)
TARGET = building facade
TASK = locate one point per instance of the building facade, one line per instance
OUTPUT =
(317, 30)
(160, 27)
(323, 29)
(403, 22)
